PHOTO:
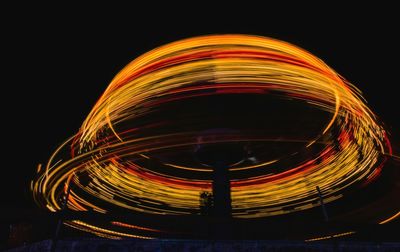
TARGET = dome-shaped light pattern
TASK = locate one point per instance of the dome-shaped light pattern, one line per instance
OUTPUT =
(135, 149)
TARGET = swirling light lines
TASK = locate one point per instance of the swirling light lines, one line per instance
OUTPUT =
(108, 160)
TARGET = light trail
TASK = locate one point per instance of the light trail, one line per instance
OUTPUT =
(115, 144)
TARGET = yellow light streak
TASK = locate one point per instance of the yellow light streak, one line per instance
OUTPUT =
(114, 159)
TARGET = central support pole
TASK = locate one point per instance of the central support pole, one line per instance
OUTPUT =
(221, 191)
(222, 210)
(220, 157)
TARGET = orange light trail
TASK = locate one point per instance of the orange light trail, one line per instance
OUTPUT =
(113, 156)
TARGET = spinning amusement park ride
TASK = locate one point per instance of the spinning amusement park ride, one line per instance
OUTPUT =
(230, 130)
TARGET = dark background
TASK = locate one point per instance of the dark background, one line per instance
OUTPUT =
(57, 61)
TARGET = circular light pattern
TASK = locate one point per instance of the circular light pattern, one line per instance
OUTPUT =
(135, 149)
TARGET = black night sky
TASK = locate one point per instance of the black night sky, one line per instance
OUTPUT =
(58, 61)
